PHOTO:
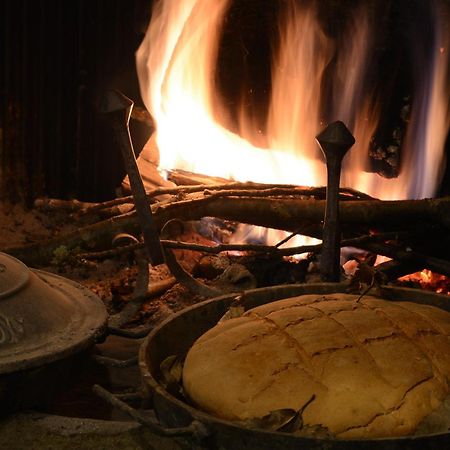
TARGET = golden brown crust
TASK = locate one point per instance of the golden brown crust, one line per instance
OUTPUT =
(376, 368)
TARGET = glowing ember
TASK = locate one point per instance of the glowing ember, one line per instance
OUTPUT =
(176, 66)
(429, 280)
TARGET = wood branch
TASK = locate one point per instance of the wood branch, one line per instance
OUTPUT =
(416, 261)
(181, 191)
(391, 270)
(269, 249)
(106, 254)
(256, 248)
(78, 209)
(94, 236)
(275, 192)
(229, 189)
(283, 214)
(54, 204)
(183, 177)
(248, 248)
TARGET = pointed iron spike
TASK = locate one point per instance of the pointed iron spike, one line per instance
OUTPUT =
(335, 140)
(118, 107)
(337, 134)
(114, 102)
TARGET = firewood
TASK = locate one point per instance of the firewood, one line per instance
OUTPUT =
(182, 177)
(292, 214)
(53, 204)
(417, 261)
(303, 216)
(223, 189)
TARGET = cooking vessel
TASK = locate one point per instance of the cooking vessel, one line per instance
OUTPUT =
(177, 334)
(45, 319)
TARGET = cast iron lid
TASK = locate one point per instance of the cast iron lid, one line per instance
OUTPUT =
(43, 317)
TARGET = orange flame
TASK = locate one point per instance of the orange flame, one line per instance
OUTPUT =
(176, 65)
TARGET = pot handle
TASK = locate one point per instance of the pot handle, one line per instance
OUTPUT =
(195, 429)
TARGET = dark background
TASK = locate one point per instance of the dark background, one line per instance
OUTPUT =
(57, 58)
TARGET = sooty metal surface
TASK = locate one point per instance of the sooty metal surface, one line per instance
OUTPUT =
(43, 317)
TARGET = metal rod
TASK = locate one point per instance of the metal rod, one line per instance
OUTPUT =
(119, 108)
(195, 429)
(335, 140)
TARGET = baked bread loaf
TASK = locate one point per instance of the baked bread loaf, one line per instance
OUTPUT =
(376, 368)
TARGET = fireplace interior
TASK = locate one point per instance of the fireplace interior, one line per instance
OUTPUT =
(210, 97)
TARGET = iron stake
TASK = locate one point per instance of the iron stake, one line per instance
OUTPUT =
(335, 140)
(119, 108)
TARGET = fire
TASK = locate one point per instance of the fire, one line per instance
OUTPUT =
(428, 280)
(176, 66)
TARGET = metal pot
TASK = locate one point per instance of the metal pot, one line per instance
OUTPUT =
(177, 334)
(44, 319)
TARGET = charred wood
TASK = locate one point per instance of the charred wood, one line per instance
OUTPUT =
(417, 261)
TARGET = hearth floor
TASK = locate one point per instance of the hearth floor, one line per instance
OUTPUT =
(77, 419)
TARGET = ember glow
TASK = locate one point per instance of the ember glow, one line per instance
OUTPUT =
(428, 280)
(176, 66)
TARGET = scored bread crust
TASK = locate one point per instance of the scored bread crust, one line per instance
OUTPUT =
(376, 368)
